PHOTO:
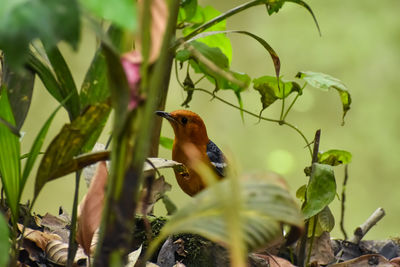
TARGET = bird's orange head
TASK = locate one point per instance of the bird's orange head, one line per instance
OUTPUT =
(187, 125)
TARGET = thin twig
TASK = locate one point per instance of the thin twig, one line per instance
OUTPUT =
(257, 115)
(346, 177)
(363, 229)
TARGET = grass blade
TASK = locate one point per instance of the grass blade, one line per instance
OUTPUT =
(10, 165)
(67, 85)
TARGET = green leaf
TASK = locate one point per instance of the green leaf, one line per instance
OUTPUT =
(324, 220)
(267, 86)
(263, 207)
(10, 165)
(334, 157)
(119, 12)
(20, 88)
(23, 21)
(216, 56)
(68, 143)
(321, 189)
(4, 241)
(270, 50)
(274, 6)
(65, 80)
(166, 142)
(217, 40)
(325, 82)
(212, 53)
(35, 149)
(301, 192)
(46, 76)
(95, 85)
(187, 11)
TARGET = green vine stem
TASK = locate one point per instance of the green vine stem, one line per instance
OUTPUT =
(282, 122)
(294, 101)
(219, 18)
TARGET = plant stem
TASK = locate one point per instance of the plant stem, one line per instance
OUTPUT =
(294, 101)
(219, 18)
(303, 241)
(177, 75)
(346, 177)
(73, 245)
(258, 116)
(290, 106)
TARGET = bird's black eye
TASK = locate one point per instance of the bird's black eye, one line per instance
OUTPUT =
(184, 120)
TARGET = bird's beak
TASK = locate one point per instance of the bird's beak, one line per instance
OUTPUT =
(165, 115)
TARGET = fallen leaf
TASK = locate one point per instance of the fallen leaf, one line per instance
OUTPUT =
(56, 225)
(147, 200)
(133, 257)
(57, 252)
(274, 261)
(322, 251)
(91, 208)
(38, 237)
(366, 260)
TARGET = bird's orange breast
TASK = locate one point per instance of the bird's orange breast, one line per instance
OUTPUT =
(190, 182)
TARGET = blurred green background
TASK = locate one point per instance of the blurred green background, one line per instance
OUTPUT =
(360, 45)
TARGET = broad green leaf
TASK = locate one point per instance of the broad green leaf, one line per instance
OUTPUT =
(267, 86)
(325, 82)
(217, 40)
(10, 165)
(321, 189)
(68, 143)
(119, 12)
(324, 220)
(270, 50)
(95, 85)
(20, 87)
(166, 142)
(187, 11)
(214, 55)
(65, 80)
(263, 207)
(35, 149)
(301, 192)
(23, 21)
(275, 5)
(4, 241)
(334, 157)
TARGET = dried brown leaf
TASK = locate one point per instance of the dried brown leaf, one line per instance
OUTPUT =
(159, 17)
(274, 261)
(366, 260)
(91, 208)
(38, 237)
(322, 251)
(57, 252)
(56, 225)
(158, 188)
